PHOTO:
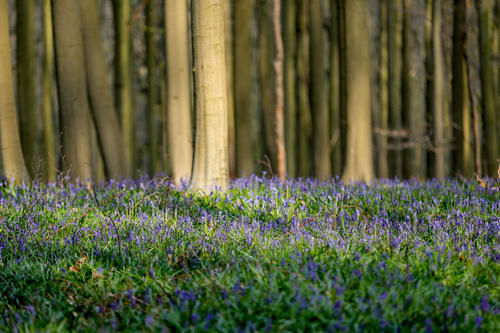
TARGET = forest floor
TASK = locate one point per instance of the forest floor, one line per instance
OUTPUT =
(303, 255)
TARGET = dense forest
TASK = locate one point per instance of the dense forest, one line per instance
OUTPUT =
(208, 90)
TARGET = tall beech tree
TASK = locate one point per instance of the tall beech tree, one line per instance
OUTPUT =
(11, 152)
(26, 94)
(106, 121)
(211, 152)
(359, 157)
(72, 89)
(335, 104)
(178, 88)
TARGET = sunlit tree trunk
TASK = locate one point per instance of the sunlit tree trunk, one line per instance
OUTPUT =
(290, 42)
(72, 89)
(438, 91)
(105, 118)
(490, 113)
(243, 12)
(123, 77)
(414, 87)
(211, 151)
(319, 101)
(394, 33)
(26, 94)
(11, 152)
(47, 89)
(359, 158)
(178, 94)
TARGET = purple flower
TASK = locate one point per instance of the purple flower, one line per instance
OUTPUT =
(479, 320)
(148, 321)
(485, 306)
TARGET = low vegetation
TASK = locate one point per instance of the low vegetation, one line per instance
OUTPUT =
(302, 255)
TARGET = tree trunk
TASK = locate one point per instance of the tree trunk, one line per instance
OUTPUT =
(26, 94)
(106, 122)
(319, 101)
(72, 89)
(243, 12)
(394, 33)
(47, 89)
(438, 91)
(359, 160)
(211, 152)
(490, 113)
(11, 151)
(335, 112)
(180, 137)
(461, 113)
(278, 74)
(290, 16)
(123, 78)
(414, 87)
(304, 112)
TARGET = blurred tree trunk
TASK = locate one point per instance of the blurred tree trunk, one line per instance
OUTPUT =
(152, 26)
(290, 32)
(414, 87)
(490, 113)
(47, 89)
(11, 151)
(304, 129)
(335, 113)
(26, 94)
(180, 137)
(211, 151)
(109, 135)
(123, 77)
(461, 113)
(72, 89)
(279, 91)
(394, 45)
(359, 160)
(319, 101)
(267, 79)
(438, 91)
(228, 30)
(243, 12)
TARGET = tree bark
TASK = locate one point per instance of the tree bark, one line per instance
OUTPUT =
(26, 94)
(11, 151)
(335, 103)
(319, 102)
(211, 152)
(105, 118)
(359, 158)
(72, 89)
(123, 77)
(47, 90)
(180, 137)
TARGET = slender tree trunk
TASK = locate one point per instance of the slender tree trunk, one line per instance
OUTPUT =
(461, 113)
(414, 87)
(228, 30)
(47, 89)
(123, 77)
(319, 101)
(243, 12)
(26, 94)
(438, 91)
(359, 158)
(335, 112)
(290, 27)
(152, 25)
(304, 112)
(106, 122)
(383, 117)
(490, 113)
(72, 89)
(11, 151)
(394, 45)
(179, 103)
(278, 74)
(211, 151)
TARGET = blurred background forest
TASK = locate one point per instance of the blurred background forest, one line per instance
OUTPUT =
(361, 88)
